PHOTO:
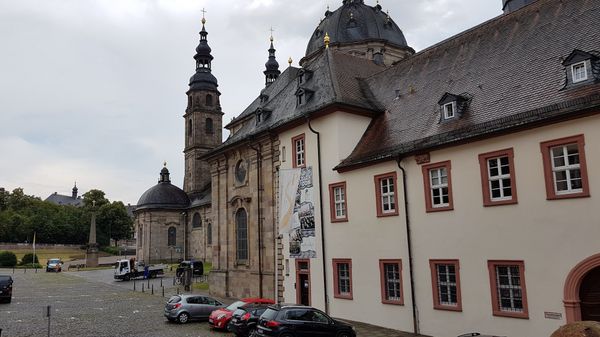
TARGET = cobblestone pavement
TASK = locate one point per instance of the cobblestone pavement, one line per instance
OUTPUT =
(93, 304)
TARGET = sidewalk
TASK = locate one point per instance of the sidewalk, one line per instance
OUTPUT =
(364, 330)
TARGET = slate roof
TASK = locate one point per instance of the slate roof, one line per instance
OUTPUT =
(510, 67)
(333, 78)
(60, 199)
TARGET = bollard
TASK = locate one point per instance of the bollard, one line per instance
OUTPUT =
(152, 289)
(142, 287)
(177, 290)
(161, 282)
(173, 280)
(163, 291)
(133, 285)
(148, 282)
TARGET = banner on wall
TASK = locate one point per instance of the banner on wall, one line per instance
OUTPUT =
(297, 211)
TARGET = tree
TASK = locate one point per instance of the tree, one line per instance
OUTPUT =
(113, 222)
(94, 195)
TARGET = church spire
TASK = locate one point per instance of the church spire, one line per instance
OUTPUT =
(75, 190)
(203, 79)
(272, 67)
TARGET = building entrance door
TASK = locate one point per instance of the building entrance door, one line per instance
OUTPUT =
(303, 282)
(589, 294)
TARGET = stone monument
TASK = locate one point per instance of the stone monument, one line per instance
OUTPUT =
(91, 259)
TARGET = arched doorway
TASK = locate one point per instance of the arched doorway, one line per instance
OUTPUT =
(582, 291)
(589, 295)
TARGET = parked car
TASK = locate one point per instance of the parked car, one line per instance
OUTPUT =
(472, 334)
(197, 267)
(183, 308)
(54, 265)
(285, 320)
(6, 283)
(220, 318)
(244, 320)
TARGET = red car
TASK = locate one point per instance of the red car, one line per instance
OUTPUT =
(219, 318)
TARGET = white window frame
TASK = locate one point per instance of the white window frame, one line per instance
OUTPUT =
(344, 280)
(449, 110)
(439, 186)
(448, 285)
(567, 168)
(574, 76)
(388, 198)
(511, 288)
(299, 144)
(500, 178)
(392, 284)
(339, 201)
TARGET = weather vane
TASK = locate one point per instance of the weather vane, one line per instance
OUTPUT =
(272, 30)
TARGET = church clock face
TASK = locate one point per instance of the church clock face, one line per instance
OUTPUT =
(241, 171)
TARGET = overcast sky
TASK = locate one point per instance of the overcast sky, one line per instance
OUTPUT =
(93, 91)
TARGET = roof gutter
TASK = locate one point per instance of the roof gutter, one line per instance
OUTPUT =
(410, 250)
(326, 297)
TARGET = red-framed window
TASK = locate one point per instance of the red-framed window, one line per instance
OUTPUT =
(498, 182)
(390, 272)
(437, 182)
(342, 278)
(445, 282)
(338, 203)
(565, 168)
(386, 194)
(299, 151)
(507, 284)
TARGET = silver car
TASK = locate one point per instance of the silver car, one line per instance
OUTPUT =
(183, 308)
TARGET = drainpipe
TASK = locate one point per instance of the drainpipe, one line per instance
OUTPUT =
(410, 254)
(259, 205)
(321, 214)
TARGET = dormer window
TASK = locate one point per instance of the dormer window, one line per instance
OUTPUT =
(300, 98)
(264, 98)
(304, 76)
(303, 95)
(449, 110)
(452, 106)
(579, 72)
(581, 68)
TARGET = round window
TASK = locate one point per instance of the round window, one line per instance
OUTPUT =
(240, 171)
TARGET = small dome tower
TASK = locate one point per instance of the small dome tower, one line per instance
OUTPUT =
(272, 66)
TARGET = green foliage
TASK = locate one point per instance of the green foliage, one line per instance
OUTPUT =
(28, 259)
(8, 259)
(21, 215)
(110, 250)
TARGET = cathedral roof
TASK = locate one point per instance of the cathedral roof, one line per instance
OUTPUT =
(60, 199)
(163, 195)
(354, 22)
(510, 68)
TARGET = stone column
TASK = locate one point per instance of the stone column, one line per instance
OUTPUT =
(91, 259)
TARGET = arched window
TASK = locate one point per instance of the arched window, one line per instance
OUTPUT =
(241, 220)
(209, 100)
(209, 234)
(172, 237)
(196, 221)
(190, 128)
(209, 125)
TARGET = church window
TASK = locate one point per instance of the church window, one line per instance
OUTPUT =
(190, 128)
(240, 171)
(209, 126)
(209, 100)
(298, 144)
(209, 234)
(241, 219)
(196, 221)
(172, 237)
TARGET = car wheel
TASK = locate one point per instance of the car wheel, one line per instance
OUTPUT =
(344, 334)
(183, 318)
(9, 300)
(252, 332)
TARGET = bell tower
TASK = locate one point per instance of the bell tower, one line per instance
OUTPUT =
(203, 119)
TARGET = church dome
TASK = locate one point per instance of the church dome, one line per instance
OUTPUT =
(163, 195)
(203, 80)
(354, 22)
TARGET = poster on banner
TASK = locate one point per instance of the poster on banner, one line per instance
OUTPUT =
(302, 227)
(288, 188)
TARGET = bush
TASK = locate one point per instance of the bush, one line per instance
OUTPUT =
(8, 259)
(110, 250)
(28, 259)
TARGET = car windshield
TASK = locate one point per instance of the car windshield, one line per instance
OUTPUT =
(233, 306)
(54, 261)
(239, 312)
(174, 299)
(4, 279)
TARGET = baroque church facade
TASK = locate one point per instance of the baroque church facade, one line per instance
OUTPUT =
(440, 192)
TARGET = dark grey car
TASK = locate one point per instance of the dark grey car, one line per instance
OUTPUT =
(183, 308)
